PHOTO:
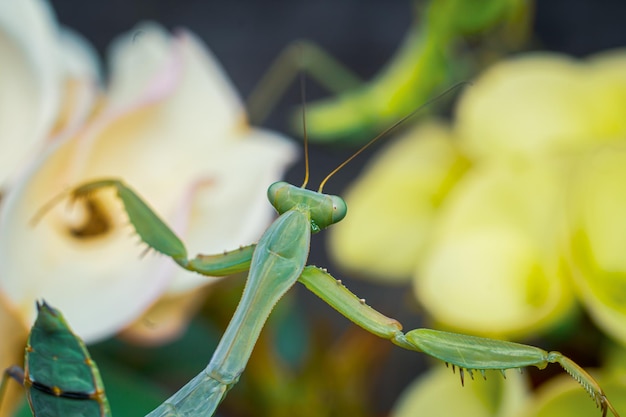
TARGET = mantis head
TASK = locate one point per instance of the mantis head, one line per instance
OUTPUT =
(324, 209)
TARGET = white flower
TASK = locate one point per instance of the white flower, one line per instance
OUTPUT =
(173, 128)
(48, 75)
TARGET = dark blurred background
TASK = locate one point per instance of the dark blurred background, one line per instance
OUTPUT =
(246, 36)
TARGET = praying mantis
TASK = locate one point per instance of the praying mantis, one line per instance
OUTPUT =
(60, 377)
(62, 380)
(275, 263)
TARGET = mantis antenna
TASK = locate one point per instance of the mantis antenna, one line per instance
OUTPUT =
(388, 130)
(306, 139)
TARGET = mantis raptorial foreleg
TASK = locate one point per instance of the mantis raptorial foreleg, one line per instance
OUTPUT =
(158, 236)
(275, 264)
(468, 353)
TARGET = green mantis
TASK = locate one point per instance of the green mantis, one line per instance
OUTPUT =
(275, 263)
(59, 376)
(430, 56)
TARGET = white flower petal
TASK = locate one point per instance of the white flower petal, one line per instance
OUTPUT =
(30, 82)
(181, 118)
(135, 57)
(81, 83)
(79, 58)
(160, 141)
(144, 58)
(232, 209)
(82, 277)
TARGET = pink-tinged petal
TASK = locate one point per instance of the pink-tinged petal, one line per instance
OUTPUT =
(147, 63)
(205, 97)
(30, 82)
(230, 208)
(173, 128)
(162, 146)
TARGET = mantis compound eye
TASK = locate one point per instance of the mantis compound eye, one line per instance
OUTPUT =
(340, 209)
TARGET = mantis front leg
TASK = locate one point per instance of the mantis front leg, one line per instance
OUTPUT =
(468, 353)
(155, 233)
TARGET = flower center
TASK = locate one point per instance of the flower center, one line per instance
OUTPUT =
(89, 219)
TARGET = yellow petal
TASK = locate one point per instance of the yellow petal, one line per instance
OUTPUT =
(439, 393)
(564, 397)
(598, 236)
(495, 265)
(608, 88)
(392, 207)
(534, 104)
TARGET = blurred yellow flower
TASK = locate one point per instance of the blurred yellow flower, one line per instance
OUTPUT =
(532, 221)
(436, 393)
(598, 236)
(496, 264)
(394, 204)
(563, 397)
(532, 105)
(170, 124)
